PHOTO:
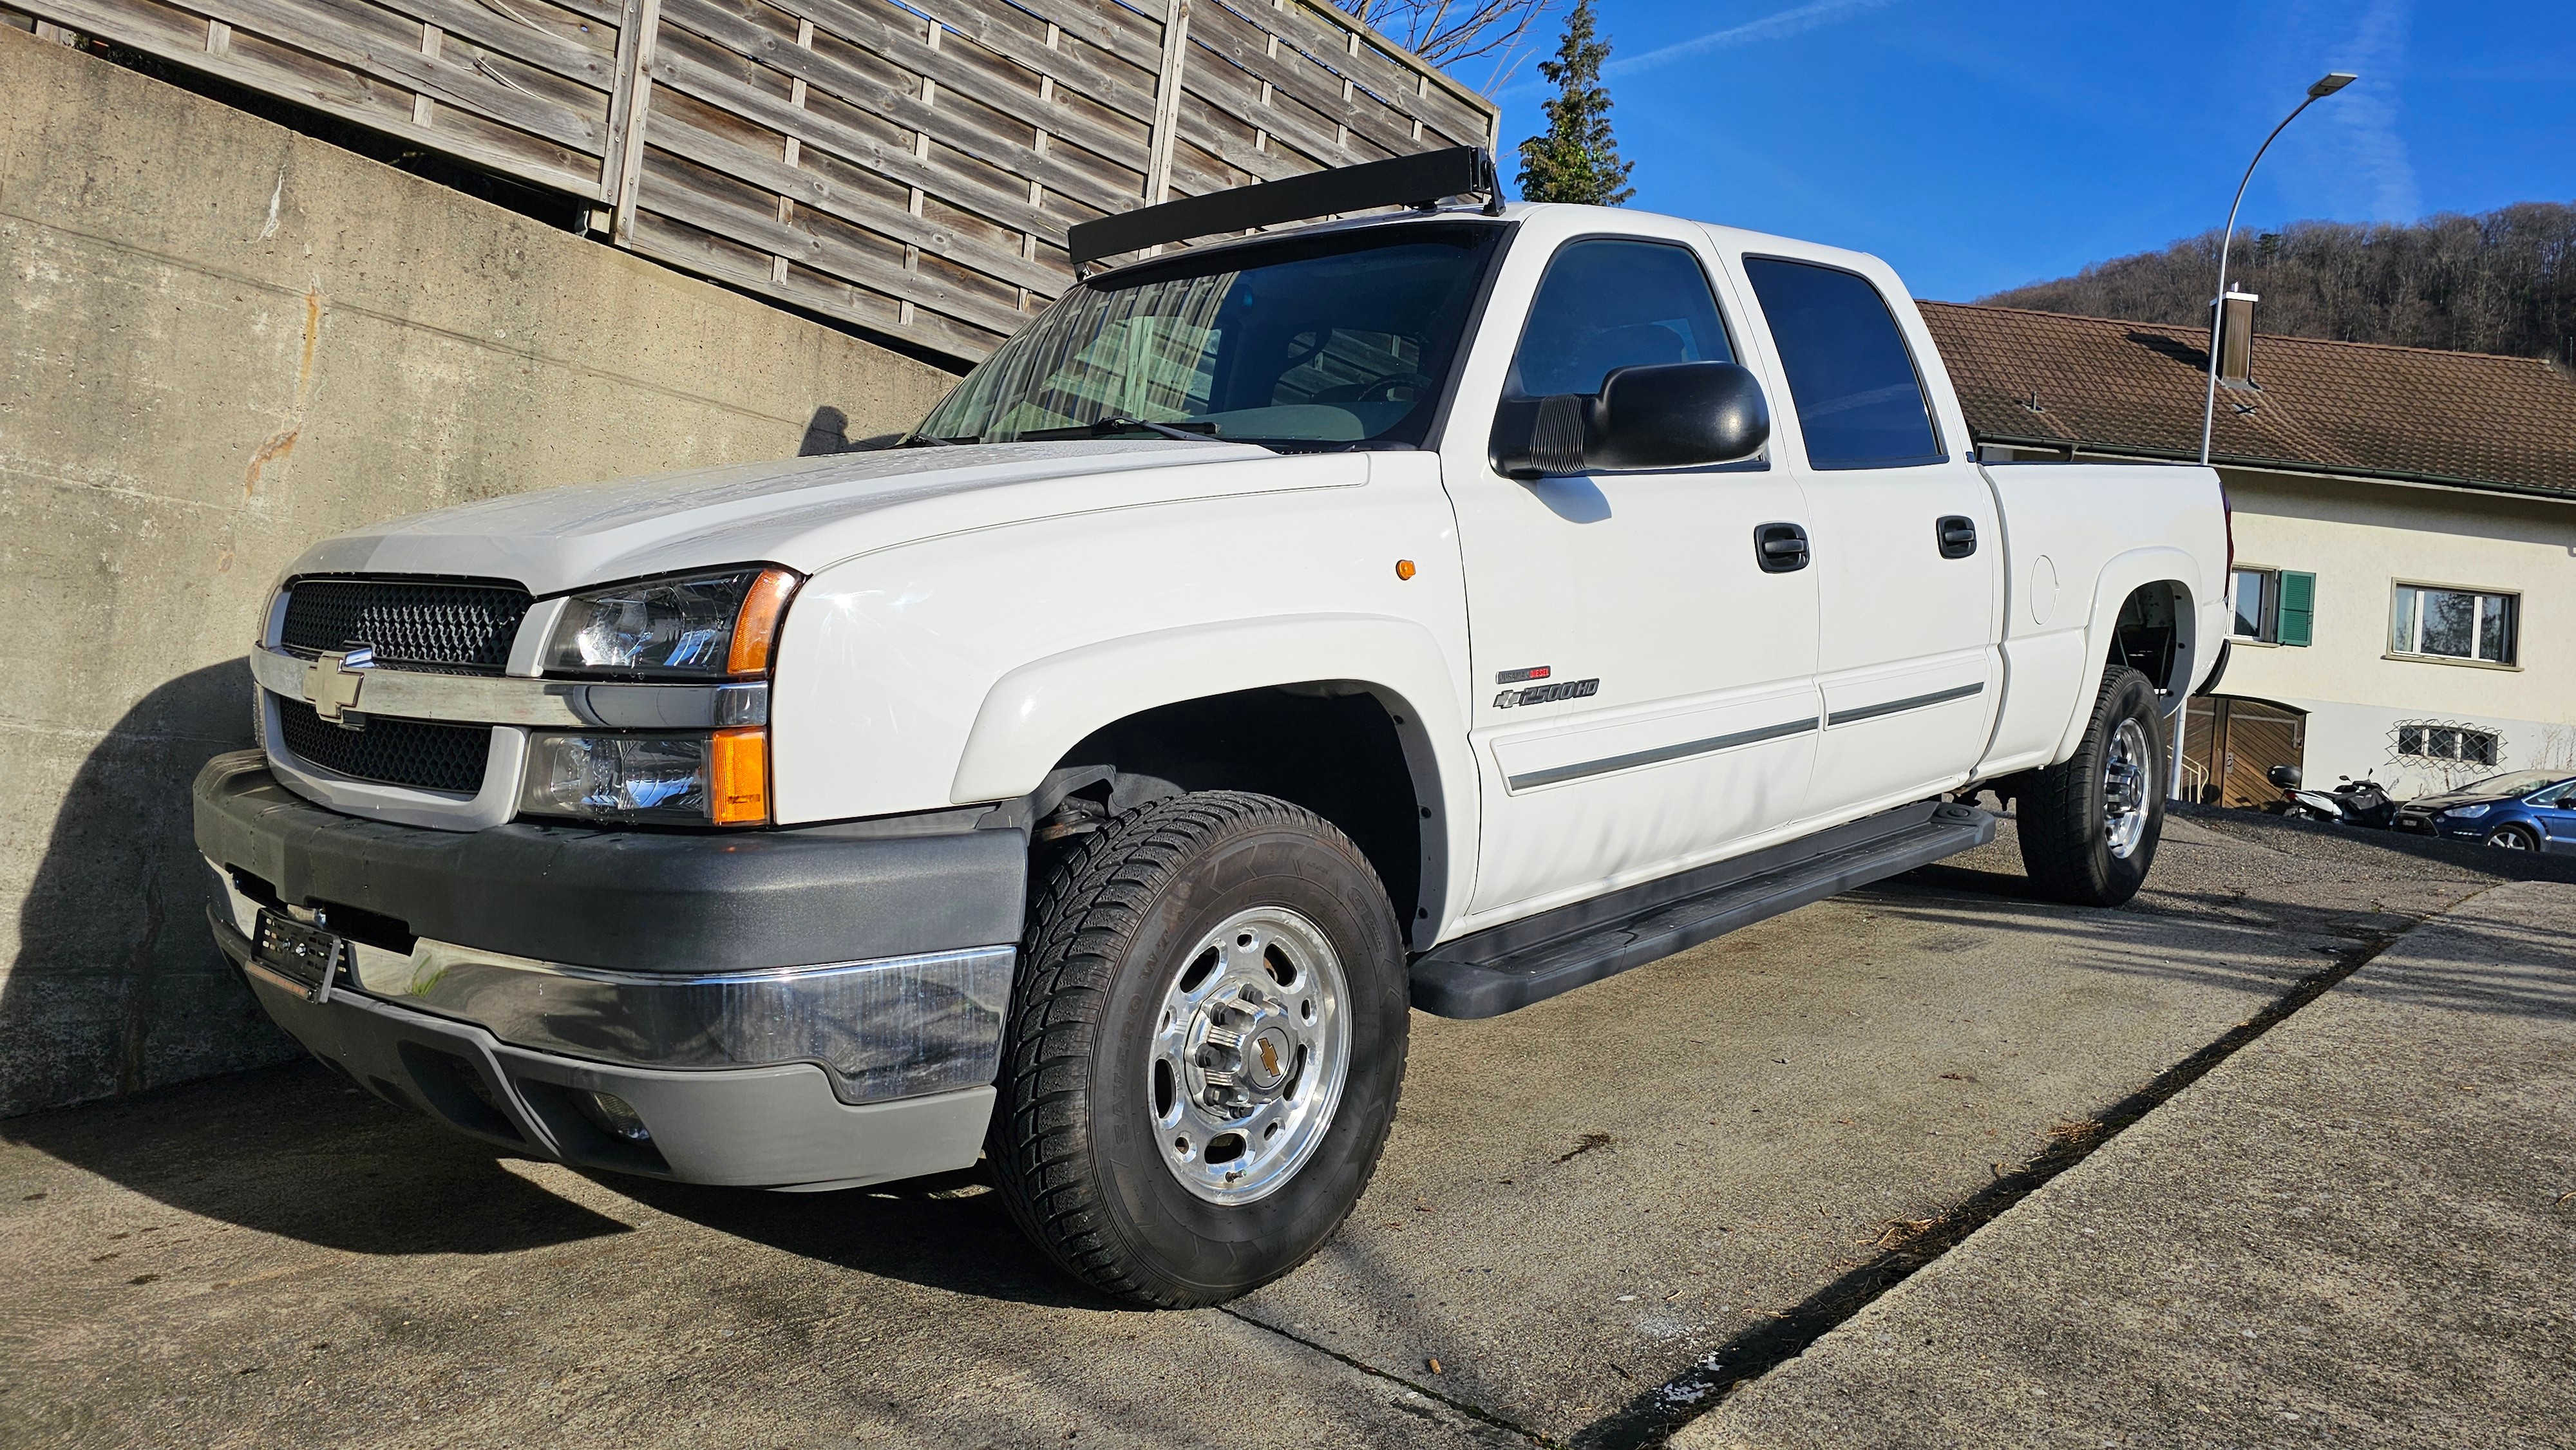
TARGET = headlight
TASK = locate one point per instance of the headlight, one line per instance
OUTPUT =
(717, 779)
(2468, 813)
(699, 626)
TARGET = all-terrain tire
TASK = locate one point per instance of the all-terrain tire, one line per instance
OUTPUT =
(1074, 1147)
(2062, 811)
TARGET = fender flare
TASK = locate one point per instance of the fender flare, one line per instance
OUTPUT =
(2122, 576)
(1036, 712)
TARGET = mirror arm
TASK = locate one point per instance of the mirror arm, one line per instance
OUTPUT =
(1538, 438)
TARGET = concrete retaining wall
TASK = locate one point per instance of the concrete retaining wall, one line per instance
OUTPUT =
(222, 341)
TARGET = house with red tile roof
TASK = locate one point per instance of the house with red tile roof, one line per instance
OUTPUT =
(2405, 531)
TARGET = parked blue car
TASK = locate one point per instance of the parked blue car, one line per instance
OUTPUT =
(2524, 810)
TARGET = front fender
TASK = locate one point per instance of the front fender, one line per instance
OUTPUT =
(1040, 710)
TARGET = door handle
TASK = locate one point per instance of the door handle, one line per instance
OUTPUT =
(1779, 548)
(1957, 536)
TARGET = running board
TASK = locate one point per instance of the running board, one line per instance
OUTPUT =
(1531, 960)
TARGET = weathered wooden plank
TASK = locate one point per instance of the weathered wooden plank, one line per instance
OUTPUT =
(1472, 101)
(1309, 72)
(1217, 75)
(1010, 208)
(589, 59)
(1294, 81)
(308, 28)
(692, 249)
(308, 80)
(622, 168)
(868, 93)
(1104, 80)
(1229, 143)
(1224, 97)
(1457, 110)
(1303, 76)
(898, 46)
(598, 12)
(809, 189)
(1325, 41)
(1126, 33)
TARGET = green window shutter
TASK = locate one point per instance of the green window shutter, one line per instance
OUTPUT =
(2298, 607)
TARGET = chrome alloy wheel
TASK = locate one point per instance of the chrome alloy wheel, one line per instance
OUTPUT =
(2128, 773)
(1249, 1056)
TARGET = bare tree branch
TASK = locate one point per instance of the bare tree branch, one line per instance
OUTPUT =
(1446, 32)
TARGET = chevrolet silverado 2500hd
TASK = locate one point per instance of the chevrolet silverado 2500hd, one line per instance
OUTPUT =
(1443, 609)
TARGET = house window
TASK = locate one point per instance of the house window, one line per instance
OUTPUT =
(2453, 624)
(2274, 606)
(2447, 742)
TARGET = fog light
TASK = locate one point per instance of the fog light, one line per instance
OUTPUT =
(614, 1115)
(624, 778)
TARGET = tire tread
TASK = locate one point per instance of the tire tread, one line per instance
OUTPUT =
(2052, 815)
(1089, 909)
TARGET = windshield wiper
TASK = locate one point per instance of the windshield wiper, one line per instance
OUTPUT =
(933, 440)
(1187, 432)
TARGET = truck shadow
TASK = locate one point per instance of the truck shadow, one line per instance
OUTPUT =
(949, 1233)
(116, 985)
(297, 1152)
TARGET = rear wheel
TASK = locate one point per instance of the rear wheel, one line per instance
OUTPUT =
(2512, 838)
(2089, 825)
(1204, 1049)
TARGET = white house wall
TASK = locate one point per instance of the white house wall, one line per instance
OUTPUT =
(2360, 540)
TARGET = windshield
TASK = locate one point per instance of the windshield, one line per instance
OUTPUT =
(2519, 782)
(1341, 339)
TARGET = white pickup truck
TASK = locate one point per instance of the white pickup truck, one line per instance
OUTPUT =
(1442, 609)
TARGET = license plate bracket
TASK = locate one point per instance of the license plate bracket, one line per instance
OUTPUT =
(306, 955)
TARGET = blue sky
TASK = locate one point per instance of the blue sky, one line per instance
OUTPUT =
(1980, 146)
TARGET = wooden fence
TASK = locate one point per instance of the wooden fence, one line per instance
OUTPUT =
(909, 167)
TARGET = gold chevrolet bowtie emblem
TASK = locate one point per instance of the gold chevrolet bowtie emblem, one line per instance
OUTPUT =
(333, 681)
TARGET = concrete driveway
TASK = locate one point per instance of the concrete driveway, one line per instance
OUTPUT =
(1596, 1217)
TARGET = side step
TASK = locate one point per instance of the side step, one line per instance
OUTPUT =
(1531, 960)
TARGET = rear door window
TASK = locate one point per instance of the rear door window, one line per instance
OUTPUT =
(1607, 304)
(1860, 401)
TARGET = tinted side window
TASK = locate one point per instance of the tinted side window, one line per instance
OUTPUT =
(1860, 403)
(1608, 304)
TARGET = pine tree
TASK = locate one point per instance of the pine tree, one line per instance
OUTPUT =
(1576, 158)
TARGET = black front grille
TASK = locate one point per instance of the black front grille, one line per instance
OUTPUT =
(414, 753)
(460, 629)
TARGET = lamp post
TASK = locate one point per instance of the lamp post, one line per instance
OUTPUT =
(2326, 85)
(2332, 82)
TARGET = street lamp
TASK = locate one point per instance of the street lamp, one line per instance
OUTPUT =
(2332, 82)
(2326, 85)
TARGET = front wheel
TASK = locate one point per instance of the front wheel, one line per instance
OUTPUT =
(2089, 825)
(2511, 838)
(1204, 1049)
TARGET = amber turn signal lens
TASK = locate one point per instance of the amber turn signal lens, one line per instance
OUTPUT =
(1404, 568)
(738, 778)
(755, 628)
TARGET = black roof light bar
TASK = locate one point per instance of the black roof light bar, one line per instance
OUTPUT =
(1421, 179)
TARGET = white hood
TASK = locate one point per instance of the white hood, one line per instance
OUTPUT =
(805, 513)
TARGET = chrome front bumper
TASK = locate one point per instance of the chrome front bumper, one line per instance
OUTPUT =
(893, 1027)
(778, 1127)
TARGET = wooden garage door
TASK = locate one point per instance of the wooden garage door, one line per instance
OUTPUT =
(2233, 743)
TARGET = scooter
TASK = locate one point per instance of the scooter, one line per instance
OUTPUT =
(2364, 803)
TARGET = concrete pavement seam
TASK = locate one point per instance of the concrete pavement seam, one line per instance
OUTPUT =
(1471, 1411)
(1655, 1415)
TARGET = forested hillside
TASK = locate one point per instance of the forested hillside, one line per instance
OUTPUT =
(2504, 282)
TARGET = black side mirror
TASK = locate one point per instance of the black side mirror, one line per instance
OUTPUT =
(1666, 415)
